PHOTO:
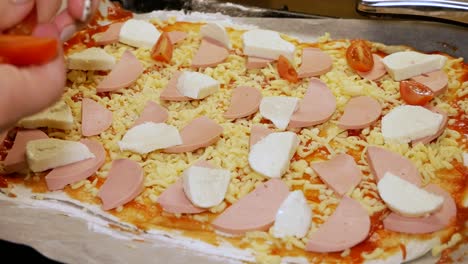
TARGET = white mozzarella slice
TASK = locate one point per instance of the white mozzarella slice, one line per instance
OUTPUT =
(267, 44)
(293, 217)
(150, 136)
(408, 122)
(139, 34)
(44, 154)
(406, 64)
(406, 198)
(278, 109)
(272, 154)
(57, 116)
(217, 32)
(196, 85)
(92, 59)
(465, 159)
(206, 187)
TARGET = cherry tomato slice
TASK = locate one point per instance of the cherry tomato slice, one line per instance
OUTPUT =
(415, 93)
(286, 70)
(359, 56)
(27, 50)
(162, 50)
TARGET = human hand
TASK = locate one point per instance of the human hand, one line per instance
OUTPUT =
(27, 90)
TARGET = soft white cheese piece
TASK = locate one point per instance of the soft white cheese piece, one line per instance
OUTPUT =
(272, 154)
(406, 64)
(196, 85)
(465, 159)
(92, 59)
(205, 187)
(267, 44)
(139, 34)
(278, 109)
(57, 116)
(44, 154)
(409, 122)
(293, 217)
(150, 136)
(406, 198)
(217, 32)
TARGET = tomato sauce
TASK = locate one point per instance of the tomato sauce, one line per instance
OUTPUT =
(85, 37)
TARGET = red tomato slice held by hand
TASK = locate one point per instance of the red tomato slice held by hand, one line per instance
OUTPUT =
(27, 50)
(414, 93)
(162, 50)
(286, 70)
(359, 56)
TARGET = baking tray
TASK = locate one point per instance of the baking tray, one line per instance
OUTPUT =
(71, 240)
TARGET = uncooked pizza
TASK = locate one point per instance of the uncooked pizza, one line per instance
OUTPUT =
(333, 151)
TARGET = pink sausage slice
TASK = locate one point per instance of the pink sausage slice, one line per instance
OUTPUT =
(176, 36)
(111, 35)
(200, 133)
(245, 101)
(443, 125)
(124, 74)
(317, 106)
(257, 132)
(171, 93)
(95, 118)
(59, 177)
(423, 225)
(174, 200)
(376, 72)
(254, 212)
(345, 228)
(152, 113)
(124, 182)
(340, 173)
(15, 161)
(436, 81)
(382, 161)
(210, 53)
(257, 63)
(360, 112)
(315, 62)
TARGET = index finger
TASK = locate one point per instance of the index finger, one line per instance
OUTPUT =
(28, 90)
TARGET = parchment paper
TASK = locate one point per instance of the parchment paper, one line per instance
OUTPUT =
(72, 239)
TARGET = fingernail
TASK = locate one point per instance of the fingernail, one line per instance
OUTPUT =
(20, 2)
(46, 30)
(86, 11)
(67, 32)
(80, 9)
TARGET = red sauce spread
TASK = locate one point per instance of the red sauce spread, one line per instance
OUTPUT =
(3, 182)
(77, 97)
(85, 37)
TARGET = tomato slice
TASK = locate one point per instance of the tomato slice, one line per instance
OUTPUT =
(27, 50)
(162, 50)
(286, 70)
(359, 56)
(415, 93)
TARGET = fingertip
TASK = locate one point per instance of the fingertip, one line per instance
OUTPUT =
(46, 30)
(78, 9)
(47, 9)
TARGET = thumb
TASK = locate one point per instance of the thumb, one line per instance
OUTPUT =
(25, 91)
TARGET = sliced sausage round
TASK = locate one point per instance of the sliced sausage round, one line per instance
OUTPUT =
(360, 112)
